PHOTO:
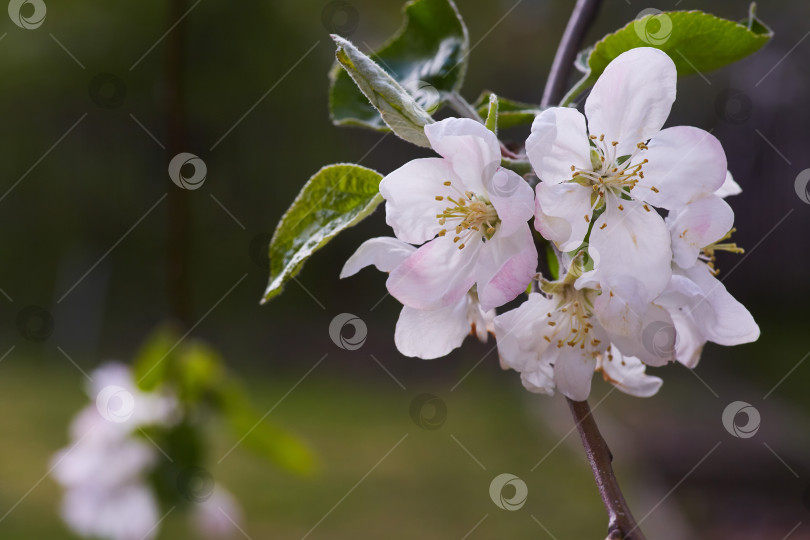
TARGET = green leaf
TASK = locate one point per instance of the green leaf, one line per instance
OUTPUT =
(199, 371)
(335, 198)
(397, 108)
(696, 42)
(510, 113)
(152, 362)
(262, 437)
(492, 114)
(427, 57)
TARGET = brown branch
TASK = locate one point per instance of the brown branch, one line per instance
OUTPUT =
(581, 19)
(178, 233)
(621, 524)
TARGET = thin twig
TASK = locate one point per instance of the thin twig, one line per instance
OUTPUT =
(581, 19)
(621, 524)
(465, 109)
(179, 213)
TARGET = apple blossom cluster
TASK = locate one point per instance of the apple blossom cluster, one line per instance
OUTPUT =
(635, 214)
(105, 469)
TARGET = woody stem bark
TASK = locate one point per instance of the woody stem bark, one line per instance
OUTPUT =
(621, 524)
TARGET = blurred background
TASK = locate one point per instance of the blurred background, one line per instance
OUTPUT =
(84, 222)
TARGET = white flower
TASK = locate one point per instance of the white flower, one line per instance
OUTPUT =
(471, 213)
(104, 468)
(559, 339)
(701, 308)
(423, 333)
(607, 178)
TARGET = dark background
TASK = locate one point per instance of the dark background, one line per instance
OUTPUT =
(64, 209)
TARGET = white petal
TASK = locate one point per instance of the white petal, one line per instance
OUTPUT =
(690, 340)
(434, 333)
(573, 372)
(633, 244)
(560, 212)
(436, 275)
(645, 331)
(519, 345)
(628, 375)
(557, 141)
(729, 187)
(632, 98)
(472, 149)
(659, 339)
(620, 319)
(385, 253)
(722, 319)
(410, 198)
(505, 267)
(685, 164)
(697, 225)
(513, 199)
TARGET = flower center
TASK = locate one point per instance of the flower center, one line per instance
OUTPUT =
(470, 216)
(610, 173)
(570, 324)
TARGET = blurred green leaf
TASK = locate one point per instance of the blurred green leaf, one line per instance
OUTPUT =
(510, 113)
(397, 108)
(335, 198)
(199, 371)
(257, 434)
(696, 42)
(427, 57)
(152, 363)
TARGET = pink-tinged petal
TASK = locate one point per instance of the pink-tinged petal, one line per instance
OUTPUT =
(628, 375)
(513, 199)
(472, 149)
(729, 187)
(385, 253)
(560, 213)
(721, 318)
(436, 275)
(558, 140)
(505, 267)
(632, 98)
(410, 198)
(430, 334)
(684, 164)
(697, 225)
(629, 241)
(573, 372)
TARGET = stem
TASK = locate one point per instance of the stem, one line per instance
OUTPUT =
(177, 258)
(621, 524)
(463, 107)
(581, 19)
